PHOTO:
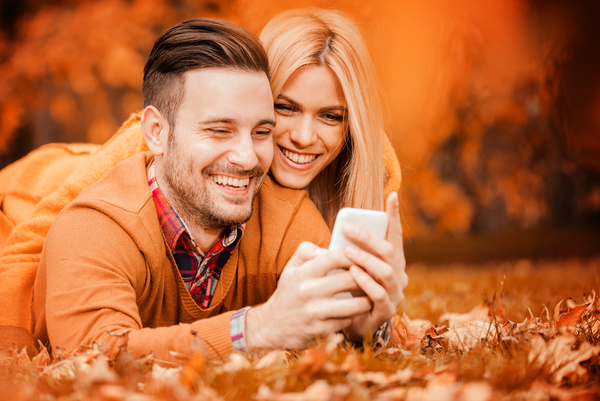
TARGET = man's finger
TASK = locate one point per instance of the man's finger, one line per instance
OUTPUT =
(305, 252)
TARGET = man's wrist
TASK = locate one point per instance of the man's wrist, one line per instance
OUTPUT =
(238, 329)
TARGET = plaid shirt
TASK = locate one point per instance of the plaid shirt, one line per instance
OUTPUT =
(200, 272)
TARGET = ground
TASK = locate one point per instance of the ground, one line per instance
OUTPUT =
(483, 331)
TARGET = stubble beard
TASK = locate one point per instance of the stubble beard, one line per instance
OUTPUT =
(193, 201)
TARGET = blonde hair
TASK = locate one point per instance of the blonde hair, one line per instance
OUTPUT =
(297, 38)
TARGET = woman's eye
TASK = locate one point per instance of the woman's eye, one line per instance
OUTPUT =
(332, 117)
(285, 109)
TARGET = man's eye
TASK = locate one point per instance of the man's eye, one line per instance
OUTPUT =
(262, 133)
(218, 131)
(284, 109)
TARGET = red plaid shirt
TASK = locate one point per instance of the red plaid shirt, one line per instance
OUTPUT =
(200, 272)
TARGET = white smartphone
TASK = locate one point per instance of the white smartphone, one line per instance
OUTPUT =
(372, 220)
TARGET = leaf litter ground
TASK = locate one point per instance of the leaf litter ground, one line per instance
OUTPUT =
(518, 330)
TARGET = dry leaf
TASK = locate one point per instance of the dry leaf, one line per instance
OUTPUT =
(468, 335)
(563, 357)
(410, 332)
(312, 362)
(493, 309)
(383, 379)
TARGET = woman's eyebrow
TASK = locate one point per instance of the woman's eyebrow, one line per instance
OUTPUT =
(287, 99)
(335, 108)
(328, 108)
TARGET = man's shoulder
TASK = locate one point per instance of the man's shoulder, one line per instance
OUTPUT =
(118, 206)
(125, 187)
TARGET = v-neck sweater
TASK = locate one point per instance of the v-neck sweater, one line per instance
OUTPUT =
(106, 269)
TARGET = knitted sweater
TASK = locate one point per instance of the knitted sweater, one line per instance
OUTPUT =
(106, 269)
(28, 227)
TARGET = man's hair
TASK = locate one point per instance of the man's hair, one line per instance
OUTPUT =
(194, 44)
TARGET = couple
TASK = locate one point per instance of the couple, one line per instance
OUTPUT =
(178, 244)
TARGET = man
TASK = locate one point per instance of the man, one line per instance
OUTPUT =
(168, 248)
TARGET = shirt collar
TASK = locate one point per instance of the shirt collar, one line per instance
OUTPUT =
(173, 225)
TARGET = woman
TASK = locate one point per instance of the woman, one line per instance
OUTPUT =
(19, 259)
(330, 131)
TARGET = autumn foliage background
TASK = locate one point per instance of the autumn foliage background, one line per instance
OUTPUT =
(494, 111)
(493, 106)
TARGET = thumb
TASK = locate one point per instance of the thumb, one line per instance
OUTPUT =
(305, 252)
(394, 233)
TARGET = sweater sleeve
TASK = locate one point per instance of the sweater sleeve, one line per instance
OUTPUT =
(97, 286)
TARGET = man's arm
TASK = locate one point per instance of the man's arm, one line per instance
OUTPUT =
(98, 286)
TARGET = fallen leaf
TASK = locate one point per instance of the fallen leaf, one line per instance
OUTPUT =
(563, 357)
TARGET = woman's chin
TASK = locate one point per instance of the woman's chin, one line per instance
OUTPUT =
(290, 180)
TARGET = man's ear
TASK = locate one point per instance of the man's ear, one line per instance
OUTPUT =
(155, 130)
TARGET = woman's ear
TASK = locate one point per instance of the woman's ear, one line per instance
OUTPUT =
(155, 130)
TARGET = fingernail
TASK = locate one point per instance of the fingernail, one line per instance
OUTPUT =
(351, 251)
(351, 231)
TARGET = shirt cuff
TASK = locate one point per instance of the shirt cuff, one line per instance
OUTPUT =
(238, 329)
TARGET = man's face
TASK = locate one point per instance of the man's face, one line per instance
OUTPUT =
(218, 155)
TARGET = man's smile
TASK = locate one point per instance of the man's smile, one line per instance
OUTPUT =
(231, 182)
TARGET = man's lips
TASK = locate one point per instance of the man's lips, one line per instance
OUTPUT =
(239, 183)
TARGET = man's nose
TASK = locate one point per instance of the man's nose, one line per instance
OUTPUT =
(243, 153)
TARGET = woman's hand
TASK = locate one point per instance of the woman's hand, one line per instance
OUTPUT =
(303, 306)
(379, 270)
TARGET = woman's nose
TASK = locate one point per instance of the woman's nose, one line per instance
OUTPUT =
(303, 133)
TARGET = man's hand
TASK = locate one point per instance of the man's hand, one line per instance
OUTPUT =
(379, 270)
(303, 307)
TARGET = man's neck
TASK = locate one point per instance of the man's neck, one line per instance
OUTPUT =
(204, 238)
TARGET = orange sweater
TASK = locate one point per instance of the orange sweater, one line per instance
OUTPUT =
(106, 267)
(20, 257)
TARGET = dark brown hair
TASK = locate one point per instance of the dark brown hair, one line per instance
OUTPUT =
(194, 44)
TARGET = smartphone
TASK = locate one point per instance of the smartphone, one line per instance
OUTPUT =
(372, 220)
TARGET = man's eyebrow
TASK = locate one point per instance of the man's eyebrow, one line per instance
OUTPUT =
(266, 121)
(217, 121)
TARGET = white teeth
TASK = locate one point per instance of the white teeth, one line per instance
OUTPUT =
(297, 158)
(231, 181)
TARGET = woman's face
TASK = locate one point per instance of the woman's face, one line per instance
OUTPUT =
(311, 125)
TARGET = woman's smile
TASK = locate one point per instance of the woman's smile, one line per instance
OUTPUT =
(298, 158)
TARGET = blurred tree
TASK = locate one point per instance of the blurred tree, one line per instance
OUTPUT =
(495, 105)
(72, 70)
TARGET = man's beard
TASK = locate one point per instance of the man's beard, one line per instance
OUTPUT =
(192, 200)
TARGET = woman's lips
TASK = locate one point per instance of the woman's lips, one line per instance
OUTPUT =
(298, 159)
